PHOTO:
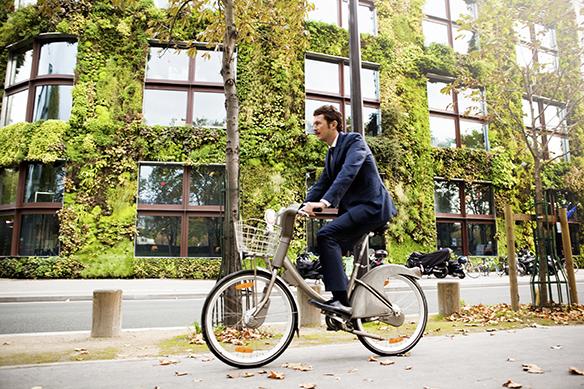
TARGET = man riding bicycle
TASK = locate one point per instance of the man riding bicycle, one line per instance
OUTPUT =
(350, 182)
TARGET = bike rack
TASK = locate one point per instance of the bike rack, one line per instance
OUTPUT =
(558, 279)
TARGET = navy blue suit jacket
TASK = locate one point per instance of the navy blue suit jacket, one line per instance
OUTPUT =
(351, 182)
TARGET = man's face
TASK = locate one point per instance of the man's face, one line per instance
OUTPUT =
(323, 130)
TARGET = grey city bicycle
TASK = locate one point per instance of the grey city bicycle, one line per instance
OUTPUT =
(250, 317)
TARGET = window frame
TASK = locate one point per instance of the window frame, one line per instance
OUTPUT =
(184, 210)
(341, 15)
(533, 45)
(463, 217)
(542, 105)
(20, 208)
(190, 86)
(34, 80)
(455, 113)
(450, 23)
(343, 97)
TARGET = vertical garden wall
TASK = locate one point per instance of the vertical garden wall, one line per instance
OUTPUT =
(105, 136)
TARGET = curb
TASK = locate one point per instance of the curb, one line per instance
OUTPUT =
(64, 298)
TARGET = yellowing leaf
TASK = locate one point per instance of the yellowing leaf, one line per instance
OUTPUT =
(531, 368)
(575, 371)
(308, 386)
(274, 375)
(386, 363)
(180, 373)
(511, 384)
(165, 362)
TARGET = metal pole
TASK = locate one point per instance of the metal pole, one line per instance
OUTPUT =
(509, 228)
(569, 260)
(355, 66)
(357, 101)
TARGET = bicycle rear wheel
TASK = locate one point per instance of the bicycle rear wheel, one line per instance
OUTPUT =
(405, 293)
(471, 270)
(237, 337)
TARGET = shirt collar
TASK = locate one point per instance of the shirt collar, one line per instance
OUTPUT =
(334, 144)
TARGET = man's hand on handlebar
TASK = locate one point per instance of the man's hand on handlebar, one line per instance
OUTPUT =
(311, 208)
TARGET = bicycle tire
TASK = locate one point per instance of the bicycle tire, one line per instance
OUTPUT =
(471, 270)
(230, 338)
(395, 341)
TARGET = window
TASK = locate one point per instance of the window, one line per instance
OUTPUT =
(536, 47)
(440, 23)
(183, 90)
(327, 81)
(180, 210)
(337, 12)
(23, 3)
(465, 217)
(456, 117)
(30, 197)
(549, 119)
(39, 79)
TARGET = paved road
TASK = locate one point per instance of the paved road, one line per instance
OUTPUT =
(76, 315)
(482, 360)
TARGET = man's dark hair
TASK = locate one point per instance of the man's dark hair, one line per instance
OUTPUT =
(330, 113)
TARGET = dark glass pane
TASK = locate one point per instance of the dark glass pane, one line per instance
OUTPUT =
(8, 184)
(52, 102)
(164, 107)
(160, 184)
(207, 185)
(209, 109)
(58, 58)
(479, 199)
(205, 236)
(39, 235)
(446, 197)
(481, 239)
(44, 183)
(443, 131)
(6, 228)
(449, 235)
(472, 134)
(20, 66)
(16, 107)
(167, 64)
(372, 121)
(158, 236)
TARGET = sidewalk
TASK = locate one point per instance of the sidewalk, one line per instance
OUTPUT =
(479, 360)
(146, 289)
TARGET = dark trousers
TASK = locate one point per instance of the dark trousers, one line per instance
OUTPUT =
(333, 239)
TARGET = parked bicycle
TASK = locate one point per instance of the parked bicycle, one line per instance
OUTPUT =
(484, 267)
(250, 317)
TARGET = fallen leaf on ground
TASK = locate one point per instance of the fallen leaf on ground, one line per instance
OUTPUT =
(6, 343)
(80, 349)
(511, 384)
(509, 359)
(353, 371)
(556, 347)
(575, 371)
(247, 374)
(372, 359)
(180, 373)
(308, 386)
(531, 368)
(386, 363)
(165, 362)
(263, 372)
(274, 375)
(329, 374)
(408, 368)
(297, 366)
(207, 359)
(232, 375)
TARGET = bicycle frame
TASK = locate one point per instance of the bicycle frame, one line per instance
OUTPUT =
(372, 281)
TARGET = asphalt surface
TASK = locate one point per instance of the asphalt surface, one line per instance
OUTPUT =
(481, 360)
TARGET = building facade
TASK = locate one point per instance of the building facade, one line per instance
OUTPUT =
(112, 140)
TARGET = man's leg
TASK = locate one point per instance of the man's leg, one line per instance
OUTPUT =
(340, 232)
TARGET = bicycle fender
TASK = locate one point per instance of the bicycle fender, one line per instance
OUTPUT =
(363, 302)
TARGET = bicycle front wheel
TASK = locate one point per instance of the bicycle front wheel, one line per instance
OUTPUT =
(396, 338)
(237, 332)
(471, 270)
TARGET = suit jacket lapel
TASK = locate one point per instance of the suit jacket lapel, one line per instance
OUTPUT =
(336, 153)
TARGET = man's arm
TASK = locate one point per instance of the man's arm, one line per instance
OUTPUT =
(356, 154)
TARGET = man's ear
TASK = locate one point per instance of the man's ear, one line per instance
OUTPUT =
(334, 124)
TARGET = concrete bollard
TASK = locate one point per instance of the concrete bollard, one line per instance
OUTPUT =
(107, 313)
(448, 297)
(309, 314)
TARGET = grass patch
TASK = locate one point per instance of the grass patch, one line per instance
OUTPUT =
(63, 356)
(180, 345)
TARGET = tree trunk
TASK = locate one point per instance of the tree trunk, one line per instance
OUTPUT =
(231, 262)
(540, 231)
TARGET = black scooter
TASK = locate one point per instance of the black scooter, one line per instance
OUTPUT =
(438, 263)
